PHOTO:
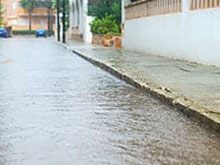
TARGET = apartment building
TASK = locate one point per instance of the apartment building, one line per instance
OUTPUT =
(18, 18)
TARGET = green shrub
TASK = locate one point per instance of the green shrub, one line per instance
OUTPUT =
(105, 25)
(25, 32)
(102, 7)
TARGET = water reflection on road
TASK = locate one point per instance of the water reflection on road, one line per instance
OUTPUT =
(57, 109)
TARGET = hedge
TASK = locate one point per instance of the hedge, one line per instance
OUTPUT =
(26, 32)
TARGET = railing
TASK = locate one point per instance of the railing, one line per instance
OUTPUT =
(203, 4)
(146, 8)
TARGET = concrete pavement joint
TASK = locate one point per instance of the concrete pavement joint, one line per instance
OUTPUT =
(190, 108)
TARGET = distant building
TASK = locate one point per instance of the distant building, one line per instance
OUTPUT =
(18, 19)
(79, 20)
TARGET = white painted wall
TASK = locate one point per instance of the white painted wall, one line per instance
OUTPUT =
(80, 19)
(87, 31)
(190, 35)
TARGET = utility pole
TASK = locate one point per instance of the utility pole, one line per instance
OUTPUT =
(58, 20)
(64, 21)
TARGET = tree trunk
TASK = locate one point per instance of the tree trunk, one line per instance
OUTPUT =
(48, 22)
(30, 20)
(51, 21)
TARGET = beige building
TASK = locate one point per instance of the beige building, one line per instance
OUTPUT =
(18, 19)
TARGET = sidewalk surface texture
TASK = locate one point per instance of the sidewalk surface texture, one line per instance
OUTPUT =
(194, 87)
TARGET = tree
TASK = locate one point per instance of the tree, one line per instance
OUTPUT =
(58, 4)
(49, 4)
(67, 10)
(110, 7)
(29, 5)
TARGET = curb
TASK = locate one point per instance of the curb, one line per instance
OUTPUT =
(188, 107)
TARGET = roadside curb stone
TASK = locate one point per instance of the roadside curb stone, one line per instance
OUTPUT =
(188, 107)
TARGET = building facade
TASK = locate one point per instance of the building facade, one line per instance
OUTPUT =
(79, 20)
(18, 19)
(182, 29)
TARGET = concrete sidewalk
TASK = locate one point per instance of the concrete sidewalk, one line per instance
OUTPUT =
(190, 87)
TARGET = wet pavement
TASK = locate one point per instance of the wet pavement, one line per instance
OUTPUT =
(193, 85)
(56, 109)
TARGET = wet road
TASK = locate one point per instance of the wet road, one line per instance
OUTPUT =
(57, 109)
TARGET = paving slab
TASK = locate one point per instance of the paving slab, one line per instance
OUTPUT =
(195, 87)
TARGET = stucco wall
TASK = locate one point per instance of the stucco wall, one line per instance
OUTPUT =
(79, 20)
(190, 35)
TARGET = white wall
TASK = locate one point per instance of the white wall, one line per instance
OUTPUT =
(79, 10)
(126, 2)
(190, 35)
(87, 32)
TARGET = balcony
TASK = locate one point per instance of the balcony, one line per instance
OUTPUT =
(36, 12)
(146, 8)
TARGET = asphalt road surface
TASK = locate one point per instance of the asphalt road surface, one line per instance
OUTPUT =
(58, 109)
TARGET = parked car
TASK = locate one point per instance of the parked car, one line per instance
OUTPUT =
(4, 33)
(41, 33)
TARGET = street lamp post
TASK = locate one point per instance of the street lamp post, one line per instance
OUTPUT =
(58, 20)
(64, 21)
